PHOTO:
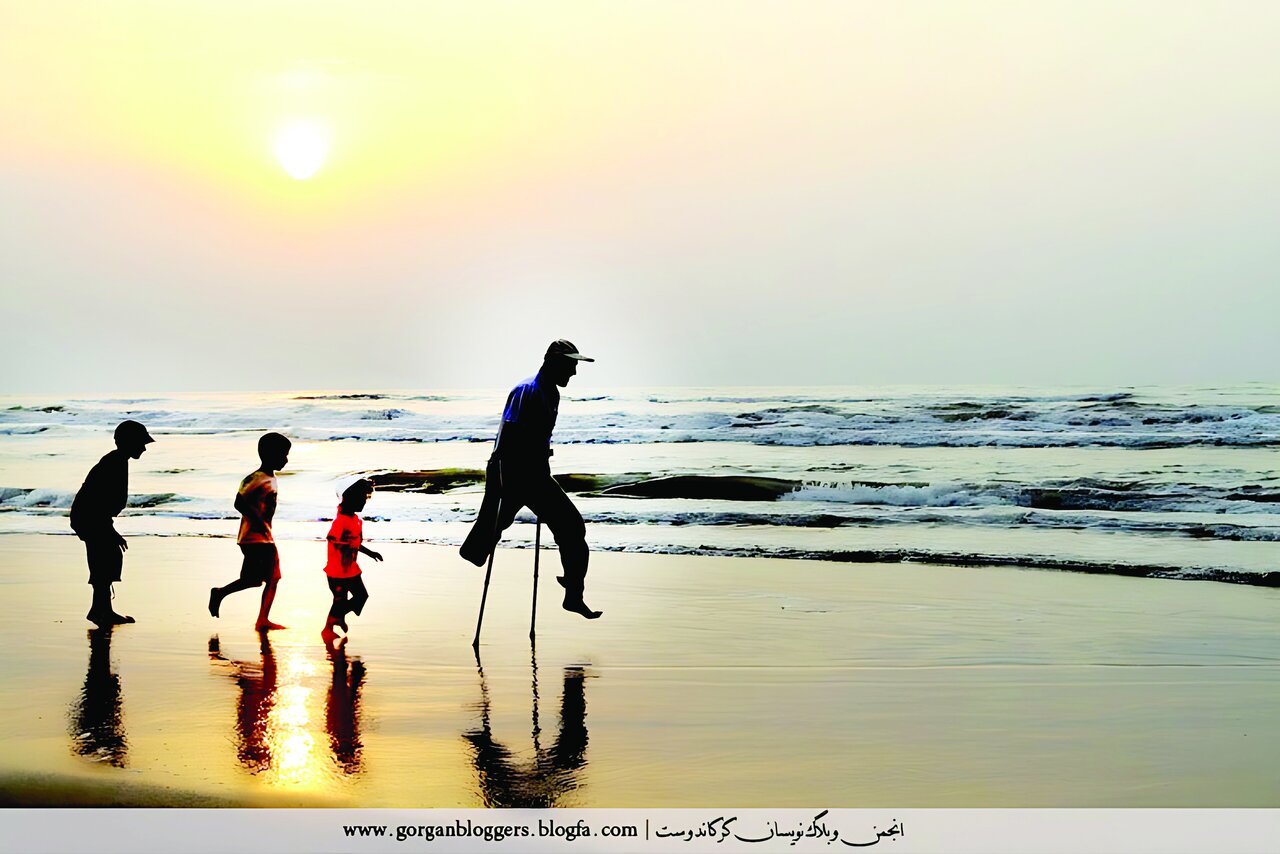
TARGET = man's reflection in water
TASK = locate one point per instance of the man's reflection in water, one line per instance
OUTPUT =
(95, 721)
(342, 709)
(257, 699)
(543, 781)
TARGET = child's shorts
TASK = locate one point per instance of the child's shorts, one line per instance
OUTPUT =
(342, 586)
(106, 560)
(348, 595)
(261, 563)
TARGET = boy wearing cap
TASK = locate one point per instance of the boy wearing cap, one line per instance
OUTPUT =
(346, 542)
(519, 475)
(256, 501)
(102, 496)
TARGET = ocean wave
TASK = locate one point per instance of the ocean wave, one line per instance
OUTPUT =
(1117, 397)
(16, 498)
(341, 397)
(1116, 420)
(384, 414)
(1072, 495)
(13, 498)
(901, 495)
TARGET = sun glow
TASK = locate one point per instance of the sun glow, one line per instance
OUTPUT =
(301, 148)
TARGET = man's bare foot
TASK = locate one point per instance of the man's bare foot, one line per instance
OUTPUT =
(577, 606)
(120, 619)
(215, 601)
(268, 626)
(100, 620)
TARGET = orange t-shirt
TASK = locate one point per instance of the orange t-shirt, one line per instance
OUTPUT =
(259, 490)
(348, 530)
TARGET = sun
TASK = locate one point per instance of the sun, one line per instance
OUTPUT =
(301, 148)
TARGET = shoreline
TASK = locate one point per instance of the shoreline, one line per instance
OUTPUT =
(891, 556)
(708, 682)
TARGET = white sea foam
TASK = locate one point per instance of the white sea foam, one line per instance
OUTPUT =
(904, 464)
(1121, 421)
(932, 495)
(31, 498)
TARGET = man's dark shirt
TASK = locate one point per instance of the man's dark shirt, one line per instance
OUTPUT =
(103, 495)
(527, 422)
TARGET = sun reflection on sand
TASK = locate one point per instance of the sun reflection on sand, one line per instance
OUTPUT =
(293, 747)
(275, 721)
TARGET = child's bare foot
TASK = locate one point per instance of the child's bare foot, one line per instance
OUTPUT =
(268, 626)
(215, 601)
(329, 635)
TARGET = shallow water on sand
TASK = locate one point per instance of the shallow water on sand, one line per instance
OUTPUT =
(708, 682)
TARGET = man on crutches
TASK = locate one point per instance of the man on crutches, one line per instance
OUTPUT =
(519, 475)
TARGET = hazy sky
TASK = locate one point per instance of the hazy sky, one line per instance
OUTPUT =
(696, 193)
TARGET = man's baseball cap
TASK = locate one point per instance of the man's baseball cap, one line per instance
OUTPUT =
(567, 350)
(132, 431)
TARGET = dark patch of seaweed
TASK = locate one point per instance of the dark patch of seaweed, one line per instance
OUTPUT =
(436, 481)
(721, 487)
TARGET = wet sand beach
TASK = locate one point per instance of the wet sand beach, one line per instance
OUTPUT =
(708, 682)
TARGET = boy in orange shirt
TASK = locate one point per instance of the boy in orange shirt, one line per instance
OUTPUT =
(346, 542)
(256, 501)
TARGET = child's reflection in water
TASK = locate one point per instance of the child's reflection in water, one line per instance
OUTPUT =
(342, 708)
(96, 723)
(257, 682)
(272, 712)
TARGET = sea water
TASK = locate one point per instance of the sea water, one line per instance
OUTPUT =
(1156, 481)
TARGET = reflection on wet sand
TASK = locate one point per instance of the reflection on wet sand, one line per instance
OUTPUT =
(551, 773)
(342, 709)
(273, 736)
(254, 706)
(95, 718)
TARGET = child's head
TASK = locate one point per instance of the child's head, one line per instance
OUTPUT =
(132, 438)
(273, 451)
(356, 495)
